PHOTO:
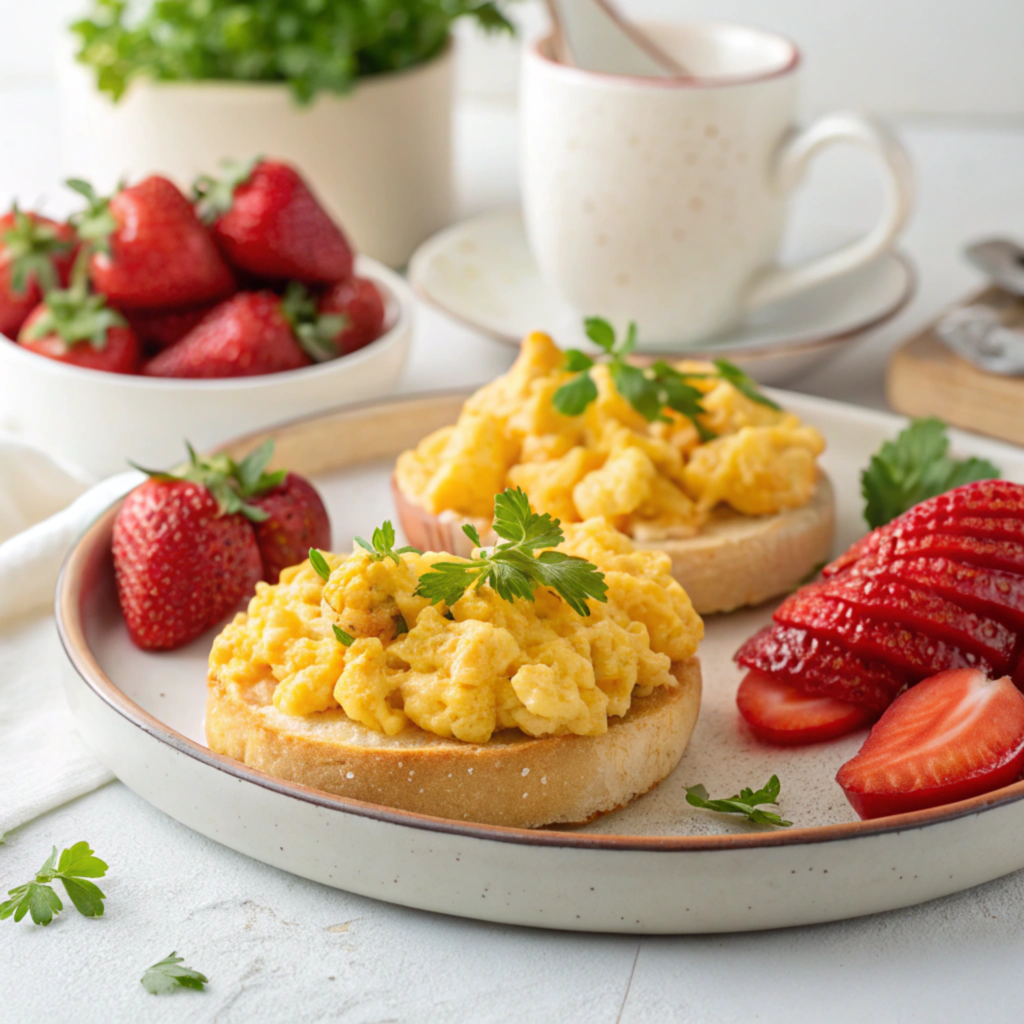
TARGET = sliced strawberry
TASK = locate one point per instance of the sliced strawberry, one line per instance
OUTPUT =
(151, 251)
(359, 301)
(267, 222)
(246, 336)
(778, 712)
(992, 592)
(818, 665)
(873, 615)
(953, 736)
(956, 512)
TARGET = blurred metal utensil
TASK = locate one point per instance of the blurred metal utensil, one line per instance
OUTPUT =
(592, 34)
(990, 333)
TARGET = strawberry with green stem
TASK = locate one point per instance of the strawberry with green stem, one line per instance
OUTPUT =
(77, 327)
(251, 334)
(267, 221)
(35, 257)
(149, 250)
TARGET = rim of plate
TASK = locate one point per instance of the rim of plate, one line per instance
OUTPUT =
(67, 609)
(399, 306)
(751, 353)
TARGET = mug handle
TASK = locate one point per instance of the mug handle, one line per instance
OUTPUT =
(777, 282)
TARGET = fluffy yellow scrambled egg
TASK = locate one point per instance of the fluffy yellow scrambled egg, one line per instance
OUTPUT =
(535, 666)
(649, 479)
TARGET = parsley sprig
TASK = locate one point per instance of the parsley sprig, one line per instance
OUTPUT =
(383, 544)
(745, 803)
(38, 898)
(168, 974)
(914, 467)
(511, 568)
(650, 391)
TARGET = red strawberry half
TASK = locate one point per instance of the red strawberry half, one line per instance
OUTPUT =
(780, 713)
(267, 222)
(151, 251)
(35, 256)
(953, 736)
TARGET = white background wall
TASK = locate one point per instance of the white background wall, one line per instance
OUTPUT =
(893, 56)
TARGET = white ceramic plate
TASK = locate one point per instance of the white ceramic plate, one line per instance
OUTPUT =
(657, 865)
(98, 420)
(482, 273)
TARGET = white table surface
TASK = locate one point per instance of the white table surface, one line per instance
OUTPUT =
(280, 948)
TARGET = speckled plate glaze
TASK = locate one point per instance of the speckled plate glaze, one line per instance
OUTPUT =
(483, 273)
(656, 866)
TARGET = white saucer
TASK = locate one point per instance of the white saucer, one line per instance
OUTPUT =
(482, 273)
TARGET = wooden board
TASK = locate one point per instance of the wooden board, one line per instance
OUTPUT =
(926, 378)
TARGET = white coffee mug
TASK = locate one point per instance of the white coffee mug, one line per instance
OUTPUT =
(663, 200)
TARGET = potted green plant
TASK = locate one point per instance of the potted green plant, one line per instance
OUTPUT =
(357, 93)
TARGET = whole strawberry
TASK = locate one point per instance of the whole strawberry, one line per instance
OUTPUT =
(185, 554)
(149, 249)
(78, 328)
(267, 222)
(190, 544)
(158, 329)
(251, 334)
(35, 256)
(359, 301)
(296, 521)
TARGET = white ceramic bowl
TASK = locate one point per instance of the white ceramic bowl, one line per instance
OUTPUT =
(99, 420)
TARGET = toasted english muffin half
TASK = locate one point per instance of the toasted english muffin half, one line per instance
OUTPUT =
(513, 779)
(734, 561)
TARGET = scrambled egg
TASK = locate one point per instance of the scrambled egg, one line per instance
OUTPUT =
(650, 480)
(535, 666)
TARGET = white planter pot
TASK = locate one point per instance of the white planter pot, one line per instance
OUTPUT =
(379, 157)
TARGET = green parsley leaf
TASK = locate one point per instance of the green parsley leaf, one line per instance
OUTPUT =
(638, 389)
(744, 803)
(600, 332)
(745, 385)
(76, 864)
(383, 544)
(319, 563)
(915, 466)
(343, 638)
(575, 395)
(575, 360)
(167, 974)
(511, 568)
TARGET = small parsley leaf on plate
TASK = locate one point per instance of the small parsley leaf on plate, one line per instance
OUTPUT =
(383, 544)
(168, 974)
(745, 803)
(914, 467)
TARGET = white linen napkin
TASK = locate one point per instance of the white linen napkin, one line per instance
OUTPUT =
(44, 505)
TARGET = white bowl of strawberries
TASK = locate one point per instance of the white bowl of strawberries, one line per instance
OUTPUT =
(152, 317)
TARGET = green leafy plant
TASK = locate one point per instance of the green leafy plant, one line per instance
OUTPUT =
(511, 567)
(168, 974)
(745, 803)
(916, 466)
(314, 45)
(650, 391)
(38, 898)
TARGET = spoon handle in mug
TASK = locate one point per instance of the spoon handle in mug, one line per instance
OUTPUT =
(778, 282)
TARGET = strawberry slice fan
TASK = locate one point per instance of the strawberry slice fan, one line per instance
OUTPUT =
(939, 588)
